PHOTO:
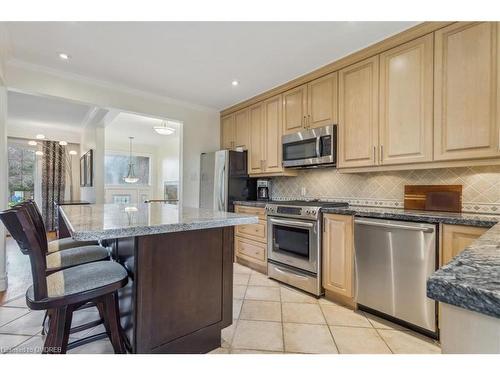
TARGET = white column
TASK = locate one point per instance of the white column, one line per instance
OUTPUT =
(3, 181)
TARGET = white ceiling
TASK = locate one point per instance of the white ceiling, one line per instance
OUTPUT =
(45, 112)
(194, 61)
(126, 125)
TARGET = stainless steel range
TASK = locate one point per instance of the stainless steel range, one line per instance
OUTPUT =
(294, 243)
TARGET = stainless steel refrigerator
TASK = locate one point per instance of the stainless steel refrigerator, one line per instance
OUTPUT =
(224, 179)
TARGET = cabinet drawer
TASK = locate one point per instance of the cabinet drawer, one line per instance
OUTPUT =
(259, 211)
(250, 249)
(257, 232)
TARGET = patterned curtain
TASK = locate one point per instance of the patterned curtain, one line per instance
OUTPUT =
(53, 181)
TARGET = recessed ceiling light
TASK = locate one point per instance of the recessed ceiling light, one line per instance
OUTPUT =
(64, 56)
(63, 143)
(235, 83)
(39, 153)
(32, 143)
(39, 136)
(73, 152)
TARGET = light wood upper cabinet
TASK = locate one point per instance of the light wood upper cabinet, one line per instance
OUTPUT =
(256, 151)
(466, 106)
(272, 135)
(294, 109)
(227, 132)
(322, 100)
(358, 114)
(338, 254)
(241, 129)
(406, 113)
(456, 238)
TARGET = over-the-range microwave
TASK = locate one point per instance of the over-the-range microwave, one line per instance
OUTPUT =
(310, 148)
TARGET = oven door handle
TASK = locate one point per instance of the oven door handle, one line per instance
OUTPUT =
(290, 274)
(298, 224)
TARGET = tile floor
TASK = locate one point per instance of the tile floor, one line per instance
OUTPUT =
(269, 317)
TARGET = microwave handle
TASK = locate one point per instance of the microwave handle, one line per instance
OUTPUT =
(318, 147)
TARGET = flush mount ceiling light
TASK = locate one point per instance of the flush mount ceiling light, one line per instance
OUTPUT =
(235, 83)
(63, 143)
(64, 56)
(130, 178)
(163, 129)
(39, 153)
(39, 136)
(73, 152)
(32, 143)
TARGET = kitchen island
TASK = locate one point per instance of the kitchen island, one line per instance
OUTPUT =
(180, 265)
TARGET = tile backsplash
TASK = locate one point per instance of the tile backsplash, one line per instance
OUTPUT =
(481, 186)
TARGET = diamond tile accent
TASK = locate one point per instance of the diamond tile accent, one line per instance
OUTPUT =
(481, 186)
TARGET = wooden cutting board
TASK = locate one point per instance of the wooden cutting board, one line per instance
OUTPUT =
(433, 197)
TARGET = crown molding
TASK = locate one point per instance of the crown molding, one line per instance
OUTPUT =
(16, 63)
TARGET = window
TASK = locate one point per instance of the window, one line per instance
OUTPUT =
(116, 167)
(22, 166)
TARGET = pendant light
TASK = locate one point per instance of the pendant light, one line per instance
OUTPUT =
(163, 129)
(130, 178)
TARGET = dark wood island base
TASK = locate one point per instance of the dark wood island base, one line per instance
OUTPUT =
(180, 294)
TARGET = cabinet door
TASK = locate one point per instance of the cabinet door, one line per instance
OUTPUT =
(456, 238)
(272, 135)
(406, 113)
(466, 113)
(227, 132)
(358, 114)
(241, 129)
(338, 254)
(256, 152)
(322, 101)
(295, 109)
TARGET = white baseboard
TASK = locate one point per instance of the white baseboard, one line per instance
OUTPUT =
(3, 282)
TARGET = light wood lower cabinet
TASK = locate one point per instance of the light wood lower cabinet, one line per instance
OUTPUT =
(250, 240)
(455, 238)
(338, 255)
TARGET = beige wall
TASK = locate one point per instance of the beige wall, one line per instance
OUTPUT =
(481, 186)
(93, 139)
(201, 131)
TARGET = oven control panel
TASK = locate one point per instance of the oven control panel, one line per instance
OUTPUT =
(293, 211)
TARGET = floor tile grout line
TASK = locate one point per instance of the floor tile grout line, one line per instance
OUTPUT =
(282, 323)
(378, 333)
(329, 330)
(21, 343)
(13, 320)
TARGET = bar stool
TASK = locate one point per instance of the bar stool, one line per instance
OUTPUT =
(64, 291)
(54, 245)
(61, 259)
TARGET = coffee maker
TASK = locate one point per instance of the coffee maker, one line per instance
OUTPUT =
(263, 190)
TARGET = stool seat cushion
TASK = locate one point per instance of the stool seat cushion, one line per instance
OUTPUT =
(67, 243)
(75, 256)
(80, 279)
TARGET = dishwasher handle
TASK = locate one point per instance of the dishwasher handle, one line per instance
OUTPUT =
(393, 226)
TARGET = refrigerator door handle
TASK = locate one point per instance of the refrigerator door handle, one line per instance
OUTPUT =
(222, 189)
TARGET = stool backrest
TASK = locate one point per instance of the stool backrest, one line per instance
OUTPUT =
(36, 217)
(20, 225)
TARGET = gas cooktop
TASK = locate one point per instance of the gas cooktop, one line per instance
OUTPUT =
(306, 209)
(309, 203)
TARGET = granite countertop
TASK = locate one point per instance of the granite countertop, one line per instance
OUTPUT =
(107, 221)
(472, 279)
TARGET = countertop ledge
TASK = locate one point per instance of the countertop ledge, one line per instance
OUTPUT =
(109, 221)
(472, 279)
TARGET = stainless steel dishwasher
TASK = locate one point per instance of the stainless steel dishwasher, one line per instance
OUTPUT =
(393, 261)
